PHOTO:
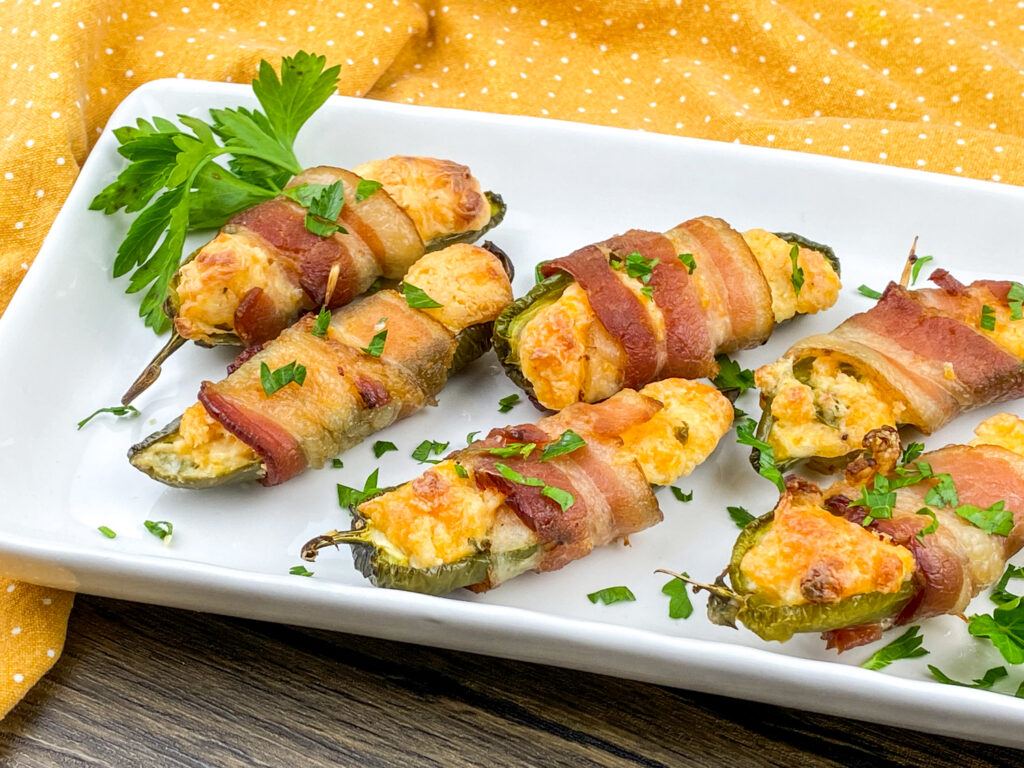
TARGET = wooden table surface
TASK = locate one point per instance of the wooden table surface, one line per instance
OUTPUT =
(145, 686)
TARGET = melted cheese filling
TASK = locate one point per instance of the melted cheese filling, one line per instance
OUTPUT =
(827, 413)
(436, 518)
(202, 448)
(211, 286)
(810, 555)
(821, 284)
(665, 446)
(1004, 430)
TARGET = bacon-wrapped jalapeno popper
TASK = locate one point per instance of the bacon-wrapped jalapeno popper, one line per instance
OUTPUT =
(644, 306)
(266, 267)
(378, 360)
(919, 357)
(888, 545)
(536, 496)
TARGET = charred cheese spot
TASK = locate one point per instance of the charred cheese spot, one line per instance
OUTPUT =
(821, 284)
(201, 449)
(436, 518)
(468, 282)
(810, 555)
(683, 433)
(1004, 430)
(826, 411)
(440, 196)
(212, 284)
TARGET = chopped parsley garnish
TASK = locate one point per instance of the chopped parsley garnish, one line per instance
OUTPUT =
(567, 442)
(286, 374)
(915, 270)
(1000, 594)
(986, 681)
(107, 532)
(323, 319)
(365, 188)
(731, 377)
(877, 500)
(1015, 297)
(423, 451)
(636, 265)
(417, 298)
(797, 275)
(376, 345)
(1004, 627)
(688, 260)
(648, 291)
(995, 519)
(871, 293)
(117, 410)
(740, 516)
(943, 493)
(745, 429)
(513, 449)
(300, 570)
(932, 527)
(461, 471)
(506, 403)
(910, 453)
(472, 436)
(160, 528)
(988, 318)
(173, 178)
(323, 204)
(679, 605)
(351, 497)
(906, 646)
(562, 498)
(680, 495)
(337, 463)
(383, 446)
(611, 595)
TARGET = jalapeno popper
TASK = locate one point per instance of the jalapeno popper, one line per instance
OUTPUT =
(269, 264)
(644, 306)
(890, 544)
(535, 496)
(919, 357)
(332, 379)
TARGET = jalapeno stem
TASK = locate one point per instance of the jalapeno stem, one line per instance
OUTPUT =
(720, 590)
(909, 266)
(332, 539)
(152, 372)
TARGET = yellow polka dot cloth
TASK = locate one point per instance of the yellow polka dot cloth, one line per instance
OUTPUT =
(938, 87)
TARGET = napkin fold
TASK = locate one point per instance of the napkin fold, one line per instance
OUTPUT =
(937, 87)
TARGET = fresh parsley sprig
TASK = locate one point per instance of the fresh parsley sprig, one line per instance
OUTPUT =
(731, 377)
(906, 646)
(612, 595)
(1004, 627)
(567, 442)
(175, 184)
(745, 435)
(679, 604)
(281, 377)
(990, 678)
(117, 410)
(352, 497)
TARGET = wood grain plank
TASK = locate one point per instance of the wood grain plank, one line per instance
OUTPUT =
(145, 686)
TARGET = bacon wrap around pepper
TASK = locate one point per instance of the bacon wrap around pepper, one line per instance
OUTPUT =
(927, 346)
(730, 277)
(611, 496)
(347, 394)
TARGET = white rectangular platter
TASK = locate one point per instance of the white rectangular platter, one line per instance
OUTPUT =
(71, 341)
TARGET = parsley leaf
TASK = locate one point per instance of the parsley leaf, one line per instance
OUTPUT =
(988, 318)
(995, 519)
(636, 265)
(117, 410)
(562, 498)
(471, 437)
(1004, 627)
(797, 275)
(731, 377)
(932, 527)
(323, 203)
(376, 346)
(688, 260)
(365, 188)
(383, 446)
(422, 451)
(513, 449)
(679, 605)
(680, 495)
(871, 293)
(417, 298)
(648, 291)
(906, 646)
(985, 682)
(107, 532)
(337, 463)
(160, 528)
(300, 570)
(1000, 594)
(567, 442)
(943, 493)
(740, 516)
(1015, 297)
(745, 429)
(911, 452)
(611, 595)
(323, 319)
(351, 497)
(506, 403)
(286, 374)
(461, 470)
(915, 270)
